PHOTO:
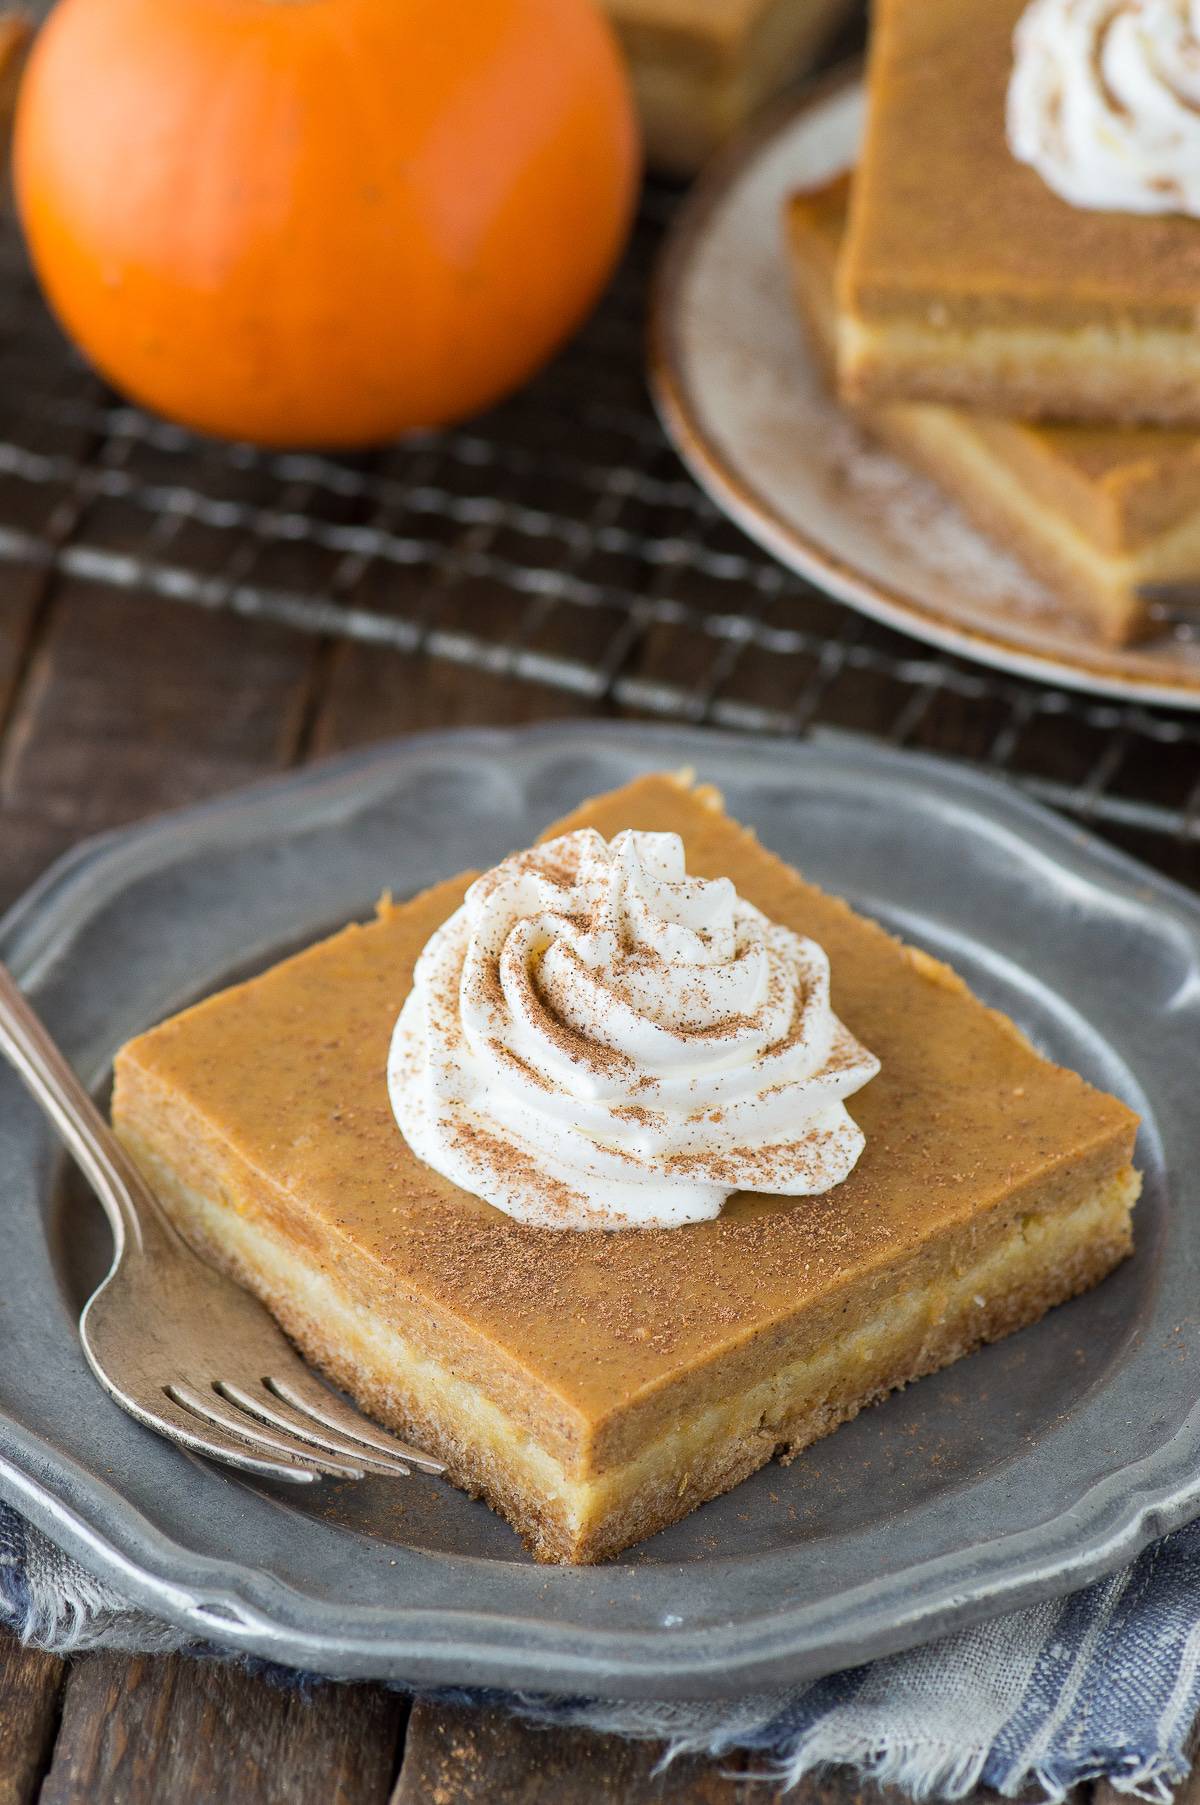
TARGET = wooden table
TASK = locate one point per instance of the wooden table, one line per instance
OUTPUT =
(175, 622)
(89, 741)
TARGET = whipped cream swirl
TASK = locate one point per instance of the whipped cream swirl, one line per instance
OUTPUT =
(1104, 102)
(596, 1040)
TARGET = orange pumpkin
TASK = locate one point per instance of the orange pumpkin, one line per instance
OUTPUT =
(323, 221)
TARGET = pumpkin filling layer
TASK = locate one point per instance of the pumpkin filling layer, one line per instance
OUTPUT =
(595, 1386)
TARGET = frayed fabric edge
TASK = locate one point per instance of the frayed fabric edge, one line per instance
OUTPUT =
(1153, 1777)
(921, 1770)
(924, 1773)
(924, 1769)
(90, 1618)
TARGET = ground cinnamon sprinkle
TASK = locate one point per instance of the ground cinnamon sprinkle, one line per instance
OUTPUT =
(631, 1280)
(725, 1029)
(488, 1151)
(777, 1164)
(559, 865)
(595, 1055)
(522, 1067)
(489, 992)
(551, 992)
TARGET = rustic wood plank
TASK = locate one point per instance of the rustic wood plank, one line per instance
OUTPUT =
(841, 1786)
(373, 693)
(456, 1755)
(141, 1731)
(21, 589)
(1105, 1793)
(131, 705)
(459, 1755)
(30, 1688)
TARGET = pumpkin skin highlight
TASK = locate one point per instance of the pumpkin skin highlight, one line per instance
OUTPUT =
(323, 222)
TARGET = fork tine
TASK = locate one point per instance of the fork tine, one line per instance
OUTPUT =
(213, 1409)
(179, 1425)
(317, 1401)
(269, 1408)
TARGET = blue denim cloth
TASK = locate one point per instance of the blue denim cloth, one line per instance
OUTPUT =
(1103, 1682)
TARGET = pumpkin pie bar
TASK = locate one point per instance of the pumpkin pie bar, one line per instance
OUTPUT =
(700, 68)
(1105, 515)
(595, 1386)
(968, 279)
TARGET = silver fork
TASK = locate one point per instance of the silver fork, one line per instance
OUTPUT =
(182, 1348)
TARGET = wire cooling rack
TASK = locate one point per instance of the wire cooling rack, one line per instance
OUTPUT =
(558, 540)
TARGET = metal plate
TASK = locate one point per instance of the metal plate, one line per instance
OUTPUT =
(1016, 1474)
(740, 392)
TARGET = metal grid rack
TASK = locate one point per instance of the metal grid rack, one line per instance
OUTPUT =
(559, 541)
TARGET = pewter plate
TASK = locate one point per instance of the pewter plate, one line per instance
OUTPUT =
(740, 392)
(1016, 1474)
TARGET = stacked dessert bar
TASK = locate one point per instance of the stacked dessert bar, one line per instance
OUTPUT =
(1007, 289)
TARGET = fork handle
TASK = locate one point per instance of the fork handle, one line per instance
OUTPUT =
(24, 1040)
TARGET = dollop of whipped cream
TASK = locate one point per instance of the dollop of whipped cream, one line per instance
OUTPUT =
(596, 1040)
(1104, 102)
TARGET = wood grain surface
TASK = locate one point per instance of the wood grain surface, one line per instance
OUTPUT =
(30, 1690)
(456, 1755)
(145, 1730)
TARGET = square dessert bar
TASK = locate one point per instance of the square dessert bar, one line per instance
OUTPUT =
(1103, 514)
(967, 279)
(701, 67)
(595, 1386)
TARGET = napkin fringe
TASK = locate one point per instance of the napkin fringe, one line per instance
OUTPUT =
(51, 1603)
(916, 1768)
(1104, 1683)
